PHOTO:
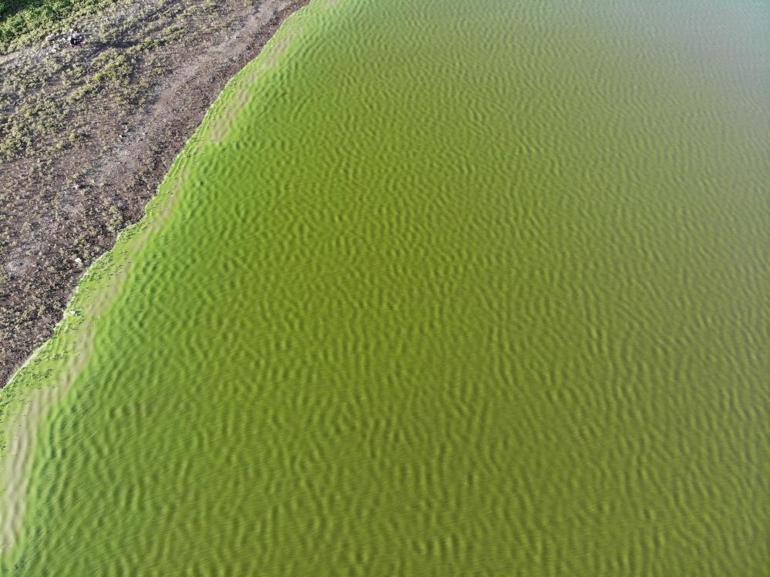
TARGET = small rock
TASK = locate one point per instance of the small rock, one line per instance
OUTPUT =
(76, 38)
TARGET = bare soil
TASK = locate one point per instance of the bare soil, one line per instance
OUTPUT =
(87, 133)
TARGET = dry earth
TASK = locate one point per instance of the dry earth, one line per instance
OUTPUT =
(87, 133)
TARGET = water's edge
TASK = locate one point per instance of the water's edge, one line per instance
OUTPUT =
(24, 402)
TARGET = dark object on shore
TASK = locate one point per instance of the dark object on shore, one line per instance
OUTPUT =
(76, 38)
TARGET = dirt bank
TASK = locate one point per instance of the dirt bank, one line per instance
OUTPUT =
(87, 132)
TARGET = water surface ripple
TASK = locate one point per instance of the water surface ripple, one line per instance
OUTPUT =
(440, 288)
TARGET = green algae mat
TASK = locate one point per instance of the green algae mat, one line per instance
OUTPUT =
(446, 288)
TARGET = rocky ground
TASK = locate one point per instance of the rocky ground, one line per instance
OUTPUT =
(91, 118)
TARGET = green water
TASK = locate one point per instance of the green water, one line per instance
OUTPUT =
(445, 288)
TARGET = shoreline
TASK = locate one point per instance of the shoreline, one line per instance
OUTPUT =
(46, 376)
(68, 204)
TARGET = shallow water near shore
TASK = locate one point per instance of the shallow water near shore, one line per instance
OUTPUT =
(448, 288)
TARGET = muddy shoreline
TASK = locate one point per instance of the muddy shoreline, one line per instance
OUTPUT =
(87, 134)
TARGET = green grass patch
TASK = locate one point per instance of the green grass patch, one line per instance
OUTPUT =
(23, 21)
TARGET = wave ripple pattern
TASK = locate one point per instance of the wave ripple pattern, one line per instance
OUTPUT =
(439, 289)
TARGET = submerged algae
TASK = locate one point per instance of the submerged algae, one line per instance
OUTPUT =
(458, 288)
